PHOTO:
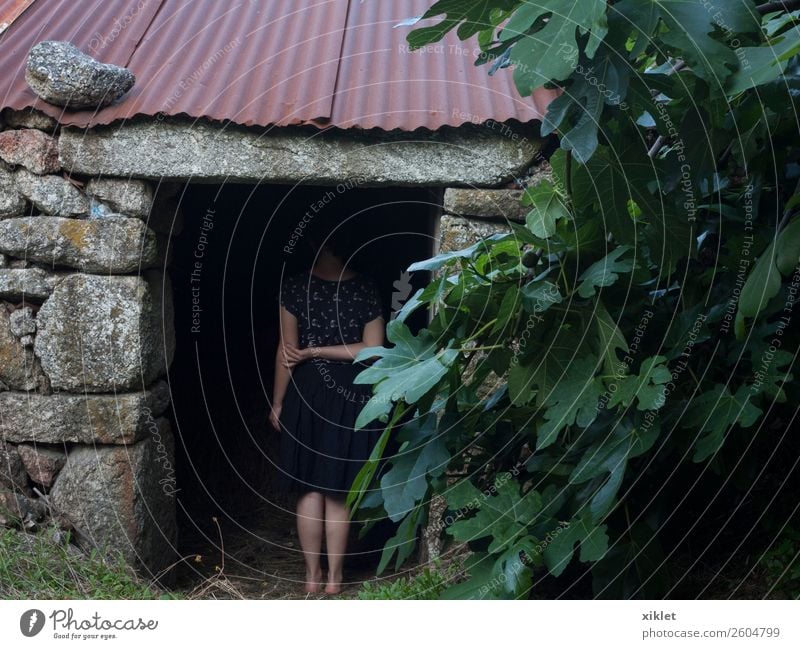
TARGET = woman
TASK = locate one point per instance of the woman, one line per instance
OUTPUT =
(327, 315)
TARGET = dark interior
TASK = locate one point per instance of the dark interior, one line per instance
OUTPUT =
(221, 376)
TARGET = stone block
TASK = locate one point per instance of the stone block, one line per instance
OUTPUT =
(60, 74)
(19, 368)
(12, 470)
(114, 244)
(30, 148)
(129, 196)
(29, 118)
(42, 464)
(456, 232)
(500, 204)
(83, 418)
(53, 195)
(12, 202)
(106, 333)
(178, 149)
(17, 509)
(122, 498)
(27, 283)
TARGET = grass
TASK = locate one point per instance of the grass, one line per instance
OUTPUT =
(37, 566)
(429, 583)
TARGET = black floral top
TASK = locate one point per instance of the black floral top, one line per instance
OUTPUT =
(331, 312)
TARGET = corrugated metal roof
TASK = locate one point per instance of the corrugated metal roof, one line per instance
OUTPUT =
(10, 11)
(258, 62)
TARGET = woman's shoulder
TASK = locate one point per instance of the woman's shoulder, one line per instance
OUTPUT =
(297, 276)
(295, 281)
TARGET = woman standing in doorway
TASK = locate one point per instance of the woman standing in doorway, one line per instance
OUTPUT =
(327, 315)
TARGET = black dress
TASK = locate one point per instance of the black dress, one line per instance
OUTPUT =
(319, 450)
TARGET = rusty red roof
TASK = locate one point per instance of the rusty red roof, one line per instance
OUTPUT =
(340, 63)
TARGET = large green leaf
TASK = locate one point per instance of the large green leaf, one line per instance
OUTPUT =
(605, 272)
(547, 50)
(403, 542)
(405, 484)
(765, 63)
(503, 513)
(405, 372)
(572, 401)
(609, 182)
(764, 281)
(610, 338)
(548, 208)
(649, 387)
(470, 16)
(714, 412)
(604, 82)
(437, 262)
(539, 296)
(689, 29)
(593, 541)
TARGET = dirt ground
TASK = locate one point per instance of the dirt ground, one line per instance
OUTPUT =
(257, 557)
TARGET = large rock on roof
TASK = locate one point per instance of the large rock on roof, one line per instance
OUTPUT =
(60, 74)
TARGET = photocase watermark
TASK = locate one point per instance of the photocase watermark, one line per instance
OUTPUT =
(66, 626)
(206, 226)
(99, 42)
(569, 52)
(678, 145)
(168, 482)
(451, 49)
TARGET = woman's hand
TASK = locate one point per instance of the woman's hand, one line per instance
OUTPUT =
(275, 416)
(293, 355)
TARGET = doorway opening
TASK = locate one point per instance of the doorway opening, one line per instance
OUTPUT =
(236, 243)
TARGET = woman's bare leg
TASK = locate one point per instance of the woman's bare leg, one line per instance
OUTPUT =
(337, 524)
(310, 522)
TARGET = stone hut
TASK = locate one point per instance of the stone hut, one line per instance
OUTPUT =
(152, 180)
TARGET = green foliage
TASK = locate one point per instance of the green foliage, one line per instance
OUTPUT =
(33, 566)
(428, 584)
(641, 318)
(782, 565)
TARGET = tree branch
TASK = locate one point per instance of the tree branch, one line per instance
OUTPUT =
(786, 5)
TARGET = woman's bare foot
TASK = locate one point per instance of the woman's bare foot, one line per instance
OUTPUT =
(334, 585)
(313, 582)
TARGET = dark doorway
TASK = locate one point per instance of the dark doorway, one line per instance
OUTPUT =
(236, 242)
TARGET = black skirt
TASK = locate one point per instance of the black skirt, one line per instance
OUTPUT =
(319, 450)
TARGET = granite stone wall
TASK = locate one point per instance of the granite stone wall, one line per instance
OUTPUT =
(86, 338)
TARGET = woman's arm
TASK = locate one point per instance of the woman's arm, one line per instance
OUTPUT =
(372, 336)
(289, 337)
